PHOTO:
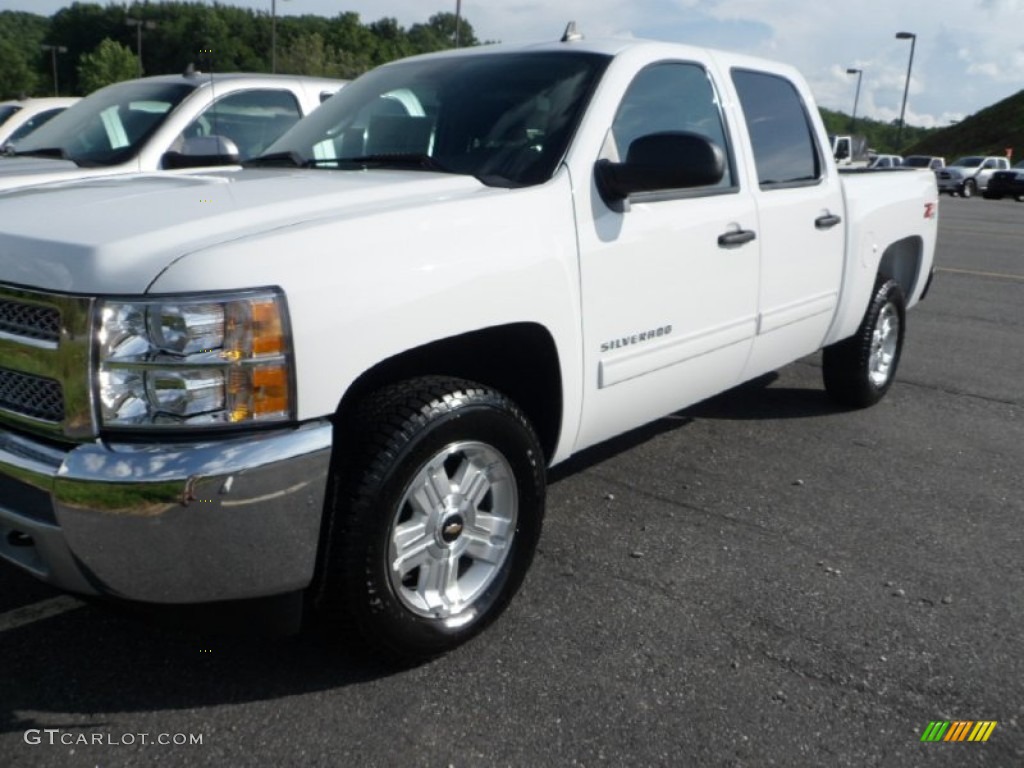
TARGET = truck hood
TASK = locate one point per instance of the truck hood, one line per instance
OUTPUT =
(115, 235)
(20, 171)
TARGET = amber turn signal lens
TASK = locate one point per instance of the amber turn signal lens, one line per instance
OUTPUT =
(269, 390)
(267, 336)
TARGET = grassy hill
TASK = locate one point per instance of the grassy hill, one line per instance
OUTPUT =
(988, 132)
(881, 136)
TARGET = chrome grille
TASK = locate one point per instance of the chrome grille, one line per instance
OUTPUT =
(29, 321)
(34, 396)
(45, 363)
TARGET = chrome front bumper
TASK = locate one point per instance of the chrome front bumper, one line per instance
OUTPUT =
(168, 523)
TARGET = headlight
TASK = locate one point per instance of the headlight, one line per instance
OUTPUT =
(194, 361)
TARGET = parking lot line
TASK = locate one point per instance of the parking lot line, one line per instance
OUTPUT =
(44, 609)
(999, 275)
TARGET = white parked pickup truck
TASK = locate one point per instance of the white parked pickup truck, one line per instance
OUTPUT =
(19, 118)
(341, 373)
(162, 123)
(969, 175)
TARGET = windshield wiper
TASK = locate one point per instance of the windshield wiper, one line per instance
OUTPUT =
(396, 159)
(293, 159)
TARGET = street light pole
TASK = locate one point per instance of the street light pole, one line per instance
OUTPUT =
(139, 24)
(273, 36)
(54, 50)
(906, 89)
(458, 21)
(859, 73)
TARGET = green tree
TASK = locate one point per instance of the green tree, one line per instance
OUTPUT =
(21, 63)
(81, 27)
(308, 54)
(356, 43)
(17, 77)
(213, 35)
(439, 33)
(110, 63)
(392, 41)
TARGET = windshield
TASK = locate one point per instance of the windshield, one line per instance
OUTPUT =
(505, 118)
(969, 162)
(109, 126)
(35, 122)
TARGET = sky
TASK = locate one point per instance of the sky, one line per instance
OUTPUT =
(968, 54)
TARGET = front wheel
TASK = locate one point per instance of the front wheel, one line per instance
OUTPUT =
(970, 188)
(436, 517)
(858, 371)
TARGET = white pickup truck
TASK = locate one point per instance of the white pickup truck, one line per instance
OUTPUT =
(340, 375)
(163, 122)
(969, 175)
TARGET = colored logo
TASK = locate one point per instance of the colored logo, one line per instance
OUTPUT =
(959, 730)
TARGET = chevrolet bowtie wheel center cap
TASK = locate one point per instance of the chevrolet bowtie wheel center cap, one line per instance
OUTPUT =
(452, 528)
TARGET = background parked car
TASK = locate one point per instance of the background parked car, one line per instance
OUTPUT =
(1006, 184)
(19, 118)
(885, 161)
(969, 175)
(924, 161)
(164, 122)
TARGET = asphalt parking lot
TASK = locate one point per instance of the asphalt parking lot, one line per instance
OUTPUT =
(759, 580)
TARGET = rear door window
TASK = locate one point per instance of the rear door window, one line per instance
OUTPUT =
(785, 151)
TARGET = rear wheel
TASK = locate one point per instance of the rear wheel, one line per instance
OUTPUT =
(858, 371)
(436, 517)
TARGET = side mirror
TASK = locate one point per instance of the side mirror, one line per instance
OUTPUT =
(660, 162)
(203, 152)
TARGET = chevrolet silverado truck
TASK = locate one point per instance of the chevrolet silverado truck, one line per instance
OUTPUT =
(163, 122)
(339, 374)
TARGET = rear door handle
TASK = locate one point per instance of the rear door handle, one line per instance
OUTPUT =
(737, 238)
(827, 221)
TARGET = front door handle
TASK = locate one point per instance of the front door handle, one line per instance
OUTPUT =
(827, 221)
(736, 238)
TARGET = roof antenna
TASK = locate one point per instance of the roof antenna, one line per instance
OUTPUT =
(571, 35)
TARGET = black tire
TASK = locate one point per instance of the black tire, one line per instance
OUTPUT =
(456, 427)
(1019, 198)
(969, 189)
(858, 371)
